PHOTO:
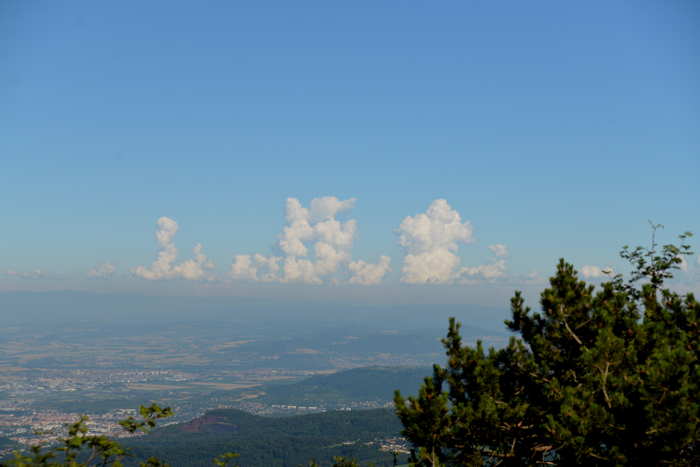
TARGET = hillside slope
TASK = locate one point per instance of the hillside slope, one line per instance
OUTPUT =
(264, 441)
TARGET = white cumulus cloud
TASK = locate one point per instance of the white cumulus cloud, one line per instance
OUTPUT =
(255, 267)
(431, 240)
(489, 271)
(591, 272)
(327, 207)
(368, 273)
(316, 247)
(485, 271)
(102, 271)
(164, 266)
(300, 270)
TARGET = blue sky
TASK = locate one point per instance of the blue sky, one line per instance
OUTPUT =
(554, 128)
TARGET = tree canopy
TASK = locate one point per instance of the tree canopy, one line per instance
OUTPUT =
(603, 375)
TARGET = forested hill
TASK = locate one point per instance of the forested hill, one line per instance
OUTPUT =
(265, 441)
(293, 441)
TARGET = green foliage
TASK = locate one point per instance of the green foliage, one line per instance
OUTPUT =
(80, 449)
(654, 265)
(154, 462)
(149, 415)
(606, 376)
(273, 441)
(263, 441)
(224, 459)
(338, 461)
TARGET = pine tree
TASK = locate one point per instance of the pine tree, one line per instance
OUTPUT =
(601, 376)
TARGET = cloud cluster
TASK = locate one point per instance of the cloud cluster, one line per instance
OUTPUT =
(255, 267)
(102, 271)
(432, 240)
(593, 272)
(164, 267)
(315, 247)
